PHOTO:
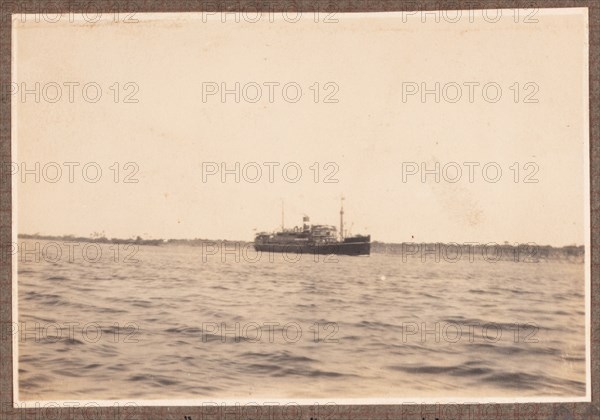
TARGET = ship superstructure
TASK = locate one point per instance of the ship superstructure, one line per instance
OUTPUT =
(315, 239)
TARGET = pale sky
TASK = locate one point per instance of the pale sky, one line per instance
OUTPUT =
(367, 134)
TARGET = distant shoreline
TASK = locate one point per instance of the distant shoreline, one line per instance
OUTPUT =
(531, 250)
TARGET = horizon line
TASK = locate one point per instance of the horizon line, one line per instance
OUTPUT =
(141, 239)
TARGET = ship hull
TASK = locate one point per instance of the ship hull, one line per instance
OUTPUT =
(339, 248)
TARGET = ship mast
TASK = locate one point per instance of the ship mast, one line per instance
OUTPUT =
(342, 219)
(282, 217)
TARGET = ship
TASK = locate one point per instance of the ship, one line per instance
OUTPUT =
(313, 239)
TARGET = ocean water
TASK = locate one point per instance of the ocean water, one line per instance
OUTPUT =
(180, 323)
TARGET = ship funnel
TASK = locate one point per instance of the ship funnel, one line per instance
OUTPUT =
(306, 221)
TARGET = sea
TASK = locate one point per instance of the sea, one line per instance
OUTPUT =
(117, 321)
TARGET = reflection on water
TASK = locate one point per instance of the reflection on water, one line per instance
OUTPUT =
(173, 326)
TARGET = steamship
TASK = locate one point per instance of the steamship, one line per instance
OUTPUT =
(313, 239)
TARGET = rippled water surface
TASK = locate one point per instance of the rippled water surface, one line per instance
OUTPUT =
(373, 326)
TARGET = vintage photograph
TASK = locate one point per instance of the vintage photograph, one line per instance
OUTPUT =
(253, 206)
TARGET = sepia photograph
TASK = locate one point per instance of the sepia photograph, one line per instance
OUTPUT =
(274, 206)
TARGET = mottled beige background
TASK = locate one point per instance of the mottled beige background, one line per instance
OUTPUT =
(368, 133)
